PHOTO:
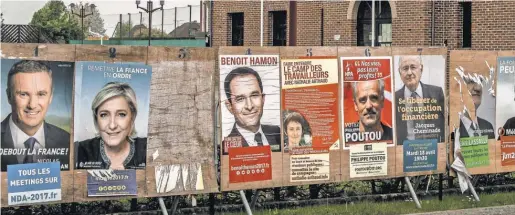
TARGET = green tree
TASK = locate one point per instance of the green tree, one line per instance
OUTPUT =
(94, 21)
(55, 21)
(137, 31)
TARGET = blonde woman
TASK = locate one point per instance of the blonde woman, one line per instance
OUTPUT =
(115, 146)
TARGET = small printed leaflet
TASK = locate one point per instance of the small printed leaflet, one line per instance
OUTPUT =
(420, 155)
(368, 160)
(250, 164)
(33, 183)
(107, 182)
(475, 151)
(507, 150)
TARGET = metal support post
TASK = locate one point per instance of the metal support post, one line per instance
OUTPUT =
(413, 194)
(440, 187)
(472, 190)
(245, 202)
(163, 206)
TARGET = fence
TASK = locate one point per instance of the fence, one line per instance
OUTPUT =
(179, 22)
(23, 34)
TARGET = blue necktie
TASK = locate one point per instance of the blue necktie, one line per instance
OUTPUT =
(29, 144)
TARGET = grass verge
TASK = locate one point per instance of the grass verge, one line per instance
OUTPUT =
(453, 202)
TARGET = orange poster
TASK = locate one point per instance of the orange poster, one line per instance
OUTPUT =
(367, 105)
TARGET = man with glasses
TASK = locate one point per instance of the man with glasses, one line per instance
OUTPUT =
(245, 101)
(410, 71)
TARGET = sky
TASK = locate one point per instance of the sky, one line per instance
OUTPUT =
(20, 11)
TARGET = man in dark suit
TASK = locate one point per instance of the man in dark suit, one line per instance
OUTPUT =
(368, 103)
(245, 101)
(415, 95)
(26, 137)
(478, 127)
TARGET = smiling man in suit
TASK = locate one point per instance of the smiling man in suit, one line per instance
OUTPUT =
(30, 92)
(245, 101)
(410, 71)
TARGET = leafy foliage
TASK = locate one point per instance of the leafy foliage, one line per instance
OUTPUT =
(94, 21)
(137, 31)
(55, 21)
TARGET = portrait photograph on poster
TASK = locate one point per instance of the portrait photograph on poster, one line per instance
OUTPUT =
(473, 87)
(505, 126)
(111, 115)
(36, 112)
(250, 112)
(367, 100)
(419, 97)
(310, 115)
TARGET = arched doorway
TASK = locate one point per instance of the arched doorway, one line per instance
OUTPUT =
(383, 23)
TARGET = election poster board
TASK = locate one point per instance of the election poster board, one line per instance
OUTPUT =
(504, 124)
(58, 112)
(421, 116)
(249, 92)
(472, 84)
(366, 113)
(180, 154)
(95, 67)
(310, 117)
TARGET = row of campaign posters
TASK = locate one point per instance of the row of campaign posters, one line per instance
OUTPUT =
(307, 107)
(110, 113)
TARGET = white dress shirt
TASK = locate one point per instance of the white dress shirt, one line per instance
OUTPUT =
(249, 136)
(19, 138)
(467, 123)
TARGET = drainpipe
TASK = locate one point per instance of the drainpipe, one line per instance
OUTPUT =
(373, 23)
(433, 24)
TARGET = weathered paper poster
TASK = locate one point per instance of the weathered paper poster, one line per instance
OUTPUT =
(505, 109)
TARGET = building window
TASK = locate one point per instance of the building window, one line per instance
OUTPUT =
(383, 22)
(279, 28)
(236, 31)
(467, 24)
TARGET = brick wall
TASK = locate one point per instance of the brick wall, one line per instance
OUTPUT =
(492, 25)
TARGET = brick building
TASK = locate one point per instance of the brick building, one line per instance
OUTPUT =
(480, 25)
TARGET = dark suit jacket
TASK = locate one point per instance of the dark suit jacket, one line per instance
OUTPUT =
(428, 91)
(272, 133)
(509, 124)
(54, 138)
(485, 128)
(89, 151)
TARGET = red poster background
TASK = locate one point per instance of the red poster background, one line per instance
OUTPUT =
(507, 147)
(258, 159)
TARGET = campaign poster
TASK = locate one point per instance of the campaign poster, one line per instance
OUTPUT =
(310, 115)
(367, 100)
(111, 115)
(420, 97)
(367, 160)
(250, 112)
(36, 112)
(33, 183)
(420, 155)
(108, 182)
(505, 126)
(475, 151)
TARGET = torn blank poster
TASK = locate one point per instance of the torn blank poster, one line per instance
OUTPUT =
(179, 177)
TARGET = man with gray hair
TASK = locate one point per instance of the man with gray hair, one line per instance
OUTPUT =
(369, 103)
(24, 130)
(414, 97)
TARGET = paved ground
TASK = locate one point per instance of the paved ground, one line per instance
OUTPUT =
(499, 210)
